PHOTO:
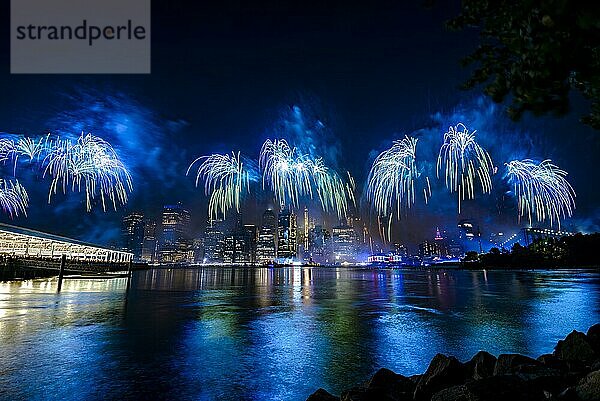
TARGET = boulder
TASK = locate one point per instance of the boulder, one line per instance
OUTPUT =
(574, 347)
(593, 338)
(480, 366)
(443, 372)
(393, 384)
(588, 388)
(454, 393)
(369, 394)
(553, 362)
(322, 395)
(495, 388)
(543, 378)
(507, 363)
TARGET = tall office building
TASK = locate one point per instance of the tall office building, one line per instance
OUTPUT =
(235, 245)
(250, 243)
(176, 245)
(306, 228)
(233, 238)
(266, 249)
(287, 235)
(214, 242)
(150, 242)
(427, 249)
(441, 243)
(343, 241)
(319, 245)
(133, 234)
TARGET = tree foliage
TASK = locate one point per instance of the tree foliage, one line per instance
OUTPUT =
(534, 52)
(571, 251)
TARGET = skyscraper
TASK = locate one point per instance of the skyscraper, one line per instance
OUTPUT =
(150, 242)
(250, 239)
(267, 238)
(214, 242)
(234, 240)
(319, 245)
(133, 234)
(176, 245)
(287, 235)
(343, 239)
(306, 228)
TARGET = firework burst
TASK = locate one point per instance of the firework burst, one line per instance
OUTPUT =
(225, 180)
(32, 149)
(89, 164)
(464, 162)
(8, 149)
(392, 178)
(541, 190)
(292, 175)
(13, 198)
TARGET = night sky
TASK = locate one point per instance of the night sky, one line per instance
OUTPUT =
(226, 76)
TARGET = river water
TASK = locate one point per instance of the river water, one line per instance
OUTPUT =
(271, 334)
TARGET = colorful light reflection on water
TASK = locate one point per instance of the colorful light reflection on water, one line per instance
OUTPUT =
(277, 334)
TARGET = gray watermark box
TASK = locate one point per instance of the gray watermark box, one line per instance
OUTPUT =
(80, 37)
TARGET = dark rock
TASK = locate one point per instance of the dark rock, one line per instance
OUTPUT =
(369, 394)
(507, 363)
(593, 338)
(588, 388)
(443, 372)
(454, 393)
(568, 394)
(553, 362)
(480, 366)
(543, 378)
(322, 395)
(578, 367)
(393, 384)
(495, 388)
(415, 378)
(574, 347)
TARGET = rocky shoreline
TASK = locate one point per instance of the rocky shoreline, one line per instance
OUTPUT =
(570, 373)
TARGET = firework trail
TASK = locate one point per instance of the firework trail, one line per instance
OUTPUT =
(30, 148)
(8, 149)
(464, 161)
(333, 193)
(541, 190)
(89, 164)
(292, 175)
(392, 178)
(225, 179)
(13, 198)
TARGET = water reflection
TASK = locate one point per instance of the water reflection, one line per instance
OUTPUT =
(249, 334)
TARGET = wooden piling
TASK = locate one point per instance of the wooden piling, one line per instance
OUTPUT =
(129, 269)
(63, 261)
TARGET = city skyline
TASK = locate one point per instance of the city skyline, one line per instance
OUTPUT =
(285, 237)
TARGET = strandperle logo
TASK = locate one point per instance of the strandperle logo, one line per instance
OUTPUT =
(85, 31)
(80, 36)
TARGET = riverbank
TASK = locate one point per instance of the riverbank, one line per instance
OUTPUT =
(570, 373)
